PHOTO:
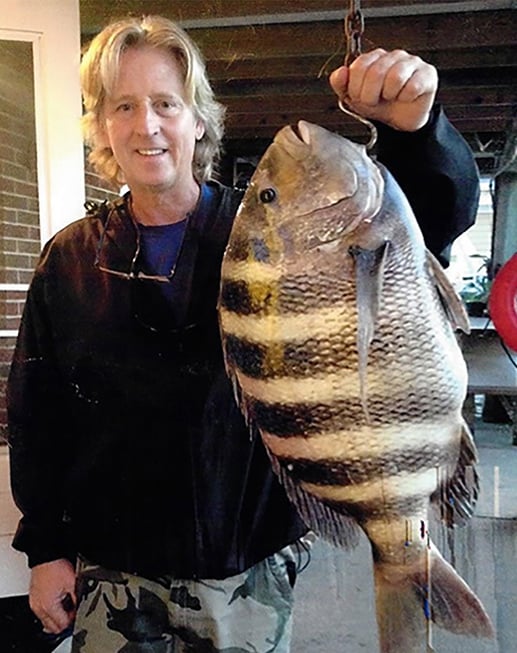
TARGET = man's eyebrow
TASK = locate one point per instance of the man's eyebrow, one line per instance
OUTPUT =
(119, 98)
(158, 94)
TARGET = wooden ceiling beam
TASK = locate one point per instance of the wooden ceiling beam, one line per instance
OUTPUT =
(476, 82)
(417, 34)
(209, 14)
(266, 125)
(492, 97)
(307, 66)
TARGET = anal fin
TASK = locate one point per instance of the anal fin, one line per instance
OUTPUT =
(332, 524)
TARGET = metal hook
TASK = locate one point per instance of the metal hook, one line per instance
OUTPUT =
(365, 121)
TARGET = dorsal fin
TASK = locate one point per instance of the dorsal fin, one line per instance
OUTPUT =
(452, 302)
(456, 495)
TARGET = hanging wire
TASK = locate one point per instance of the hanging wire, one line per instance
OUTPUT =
(354, 30)
(428, 597)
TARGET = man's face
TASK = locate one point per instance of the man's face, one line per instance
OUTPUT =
(148, 123)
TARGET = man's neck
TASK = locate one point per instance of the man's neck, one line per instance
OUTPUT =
(163, 208)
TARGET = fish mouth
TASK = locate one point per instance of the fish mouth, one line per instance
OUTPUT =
(295, 140)
(301, 131)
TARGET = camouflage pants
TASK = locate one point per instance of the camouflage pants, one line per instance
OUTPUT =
(247, 613)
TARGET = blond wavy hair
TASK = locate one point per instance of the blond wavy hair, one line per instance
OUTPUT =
(99, 67)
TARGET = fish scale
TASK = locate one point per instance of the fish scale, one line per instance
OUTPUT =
(337, 332)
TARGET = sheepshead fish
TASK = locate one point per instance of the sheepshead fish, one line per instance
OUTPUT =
(338, 334)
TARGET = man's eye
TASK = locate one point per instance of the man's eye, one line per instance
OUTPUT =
(167, 105)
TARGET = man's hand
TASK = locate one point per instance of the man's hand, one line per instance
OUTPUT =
(395, 88)
(50, 584)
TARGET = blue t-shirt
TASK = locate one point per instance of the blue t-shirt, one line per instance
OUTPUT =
(160, 245)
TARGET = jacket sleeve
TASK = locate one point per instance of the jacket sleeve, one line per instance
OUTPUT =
(436, 169)
(35, 419)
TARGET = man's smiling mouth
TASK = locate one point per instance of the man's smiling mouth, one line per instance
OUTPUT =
(152, 152)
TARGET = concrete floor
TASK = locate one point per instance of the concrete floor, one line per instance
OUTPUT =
(334, 595)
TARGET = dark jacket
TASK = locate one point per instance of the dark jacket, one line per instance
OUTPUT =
(126, 442)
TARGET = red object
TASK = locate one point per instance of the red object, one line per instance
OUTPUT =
(502, 303)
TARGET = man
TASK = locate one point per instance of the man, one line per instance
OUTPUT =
(150, 517)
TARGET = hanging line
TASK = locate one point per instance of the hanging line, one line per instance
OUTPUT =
(354, 30)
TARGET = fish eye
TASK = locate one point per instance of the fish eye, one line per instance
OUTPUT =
(267, 195)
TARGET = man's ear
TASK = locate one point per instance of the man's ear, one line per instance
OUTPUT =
(200, 130)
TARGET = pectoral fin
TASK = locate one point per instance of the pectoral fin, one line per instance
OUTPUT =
(369, 271)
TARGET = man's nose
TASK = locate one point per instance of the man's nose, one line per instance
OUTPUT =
(147, 121)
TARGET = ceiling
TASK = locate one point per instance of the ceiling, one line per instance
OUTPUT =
(268, 60)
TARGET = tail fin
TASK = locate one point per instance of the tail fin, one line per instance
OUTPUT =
(405, 605)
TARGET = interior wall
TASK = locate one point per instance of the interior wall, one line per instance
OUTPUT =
(53, 29)
(41, 150)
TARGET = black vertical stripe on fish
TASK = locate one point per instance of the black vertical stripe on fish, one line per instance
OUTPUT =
(293, 359)
(405, 506)
(360, 470)
(298, 294)
(286, 420)
(239, 297)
